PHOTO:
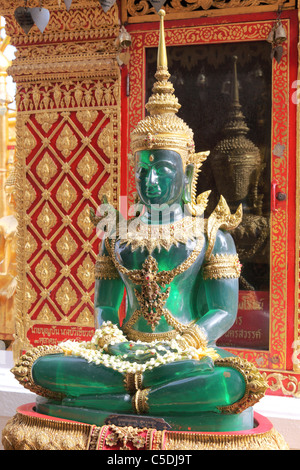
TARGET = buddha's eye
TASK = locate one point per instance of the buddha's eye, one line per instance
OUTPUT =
(163, 171)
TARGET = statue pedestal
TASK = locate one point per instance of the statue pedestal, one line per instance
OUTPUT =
(29, 430)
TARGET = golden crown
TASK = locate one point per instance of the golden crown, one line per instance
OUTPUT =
(162, 128)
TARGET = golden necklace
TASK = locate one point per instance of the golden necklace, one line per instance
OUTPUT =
(142, 235)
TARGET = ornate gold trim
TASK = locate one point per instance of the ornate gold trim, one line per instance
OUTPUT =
(121, 435)
(133, 382)
(23, 370)
(158, 236)
(137, 12)
(140, 401)
(135, 335)
(68, 94)
(151, 282)
(194, 337)
(270, 440)
(256, 386)
(105, 268)
(221, 218)
(296, 343)
(222, 266)
(23, 432)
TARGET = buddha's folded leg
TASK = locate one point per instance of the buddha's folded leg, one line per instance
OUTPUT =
(74, 376)
(209, 391)
(179, 388)
(177, 370)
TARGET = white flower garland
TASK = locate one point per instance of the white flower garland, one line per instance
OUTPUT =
(91, 351)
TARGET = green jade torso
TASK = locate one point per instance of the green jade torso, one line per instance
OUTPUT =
(188, 393)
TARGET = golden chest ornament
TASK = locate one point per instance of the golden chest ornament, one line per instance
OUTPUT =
(151, 298)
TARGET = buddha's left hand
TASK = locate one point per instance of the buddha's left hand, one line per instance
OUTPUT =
(133, 352)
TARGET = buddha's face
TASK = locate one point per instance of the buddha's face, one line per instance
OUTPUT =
(159, 176)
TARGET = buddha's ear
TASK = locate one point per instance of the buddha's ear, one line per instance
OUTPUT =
(188, 178)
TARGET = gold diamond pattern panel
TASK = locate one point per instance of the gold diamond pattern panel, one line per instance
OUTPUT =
(68, 147)
(69, 158)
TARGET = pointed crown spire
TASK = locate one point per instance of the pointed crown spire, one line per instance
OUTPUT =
(236, 120)
(162, 128)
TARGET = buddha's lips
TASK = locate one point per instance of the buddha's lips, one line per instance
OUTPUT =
(153, 192)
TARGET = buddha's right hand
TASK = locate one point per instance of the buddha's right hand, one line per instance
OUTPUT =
(139, 353)
(132, 352)
(193, 336)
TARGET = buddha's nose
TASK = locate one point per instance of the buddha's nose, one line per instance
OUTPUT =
(152, 177)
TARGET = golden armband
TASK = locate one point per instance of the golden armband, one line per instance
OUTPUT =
(193, 337)
(105, 268)
(222, 267)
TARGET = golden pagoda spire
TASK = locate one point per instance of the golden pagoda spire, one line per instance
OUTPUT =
(163, 129)
(162, 59)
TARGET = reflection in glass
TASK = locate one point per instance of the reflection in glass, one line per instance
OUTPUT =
(225, 96)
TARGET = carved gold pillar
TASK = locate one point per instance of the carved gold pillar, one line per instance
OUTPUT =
(68, 142)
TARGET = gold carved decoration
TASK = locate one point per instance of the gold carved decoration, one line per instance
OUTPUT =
(46, 120)
(85, 317)
(67, 141)
(46, 315)
(86, 118)
(105, 268)
(122, 435)
(85, 272)
(222, 266)
(28, 143)
(256, 385)
(30, 245)
(66, 246)
(45, 271)
(29, 431)
(46, 219)
(87, 167)
(29, 194)
(66, 195)
(286, 383)
(30, 296)
(151, 237)
(46, 168)
(84, 222)
(296, 343)
(105, 140)
(66, 296)
(133, 12)
(279, 355)
(68, 94)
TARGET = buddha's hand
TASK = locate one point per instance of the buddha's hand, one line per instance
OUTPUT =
(107, 334)
(128, 350)
(140, 352)
(193, 337)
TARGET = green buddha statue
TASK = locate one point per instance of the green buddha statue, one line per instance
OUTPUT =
(180, 273)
